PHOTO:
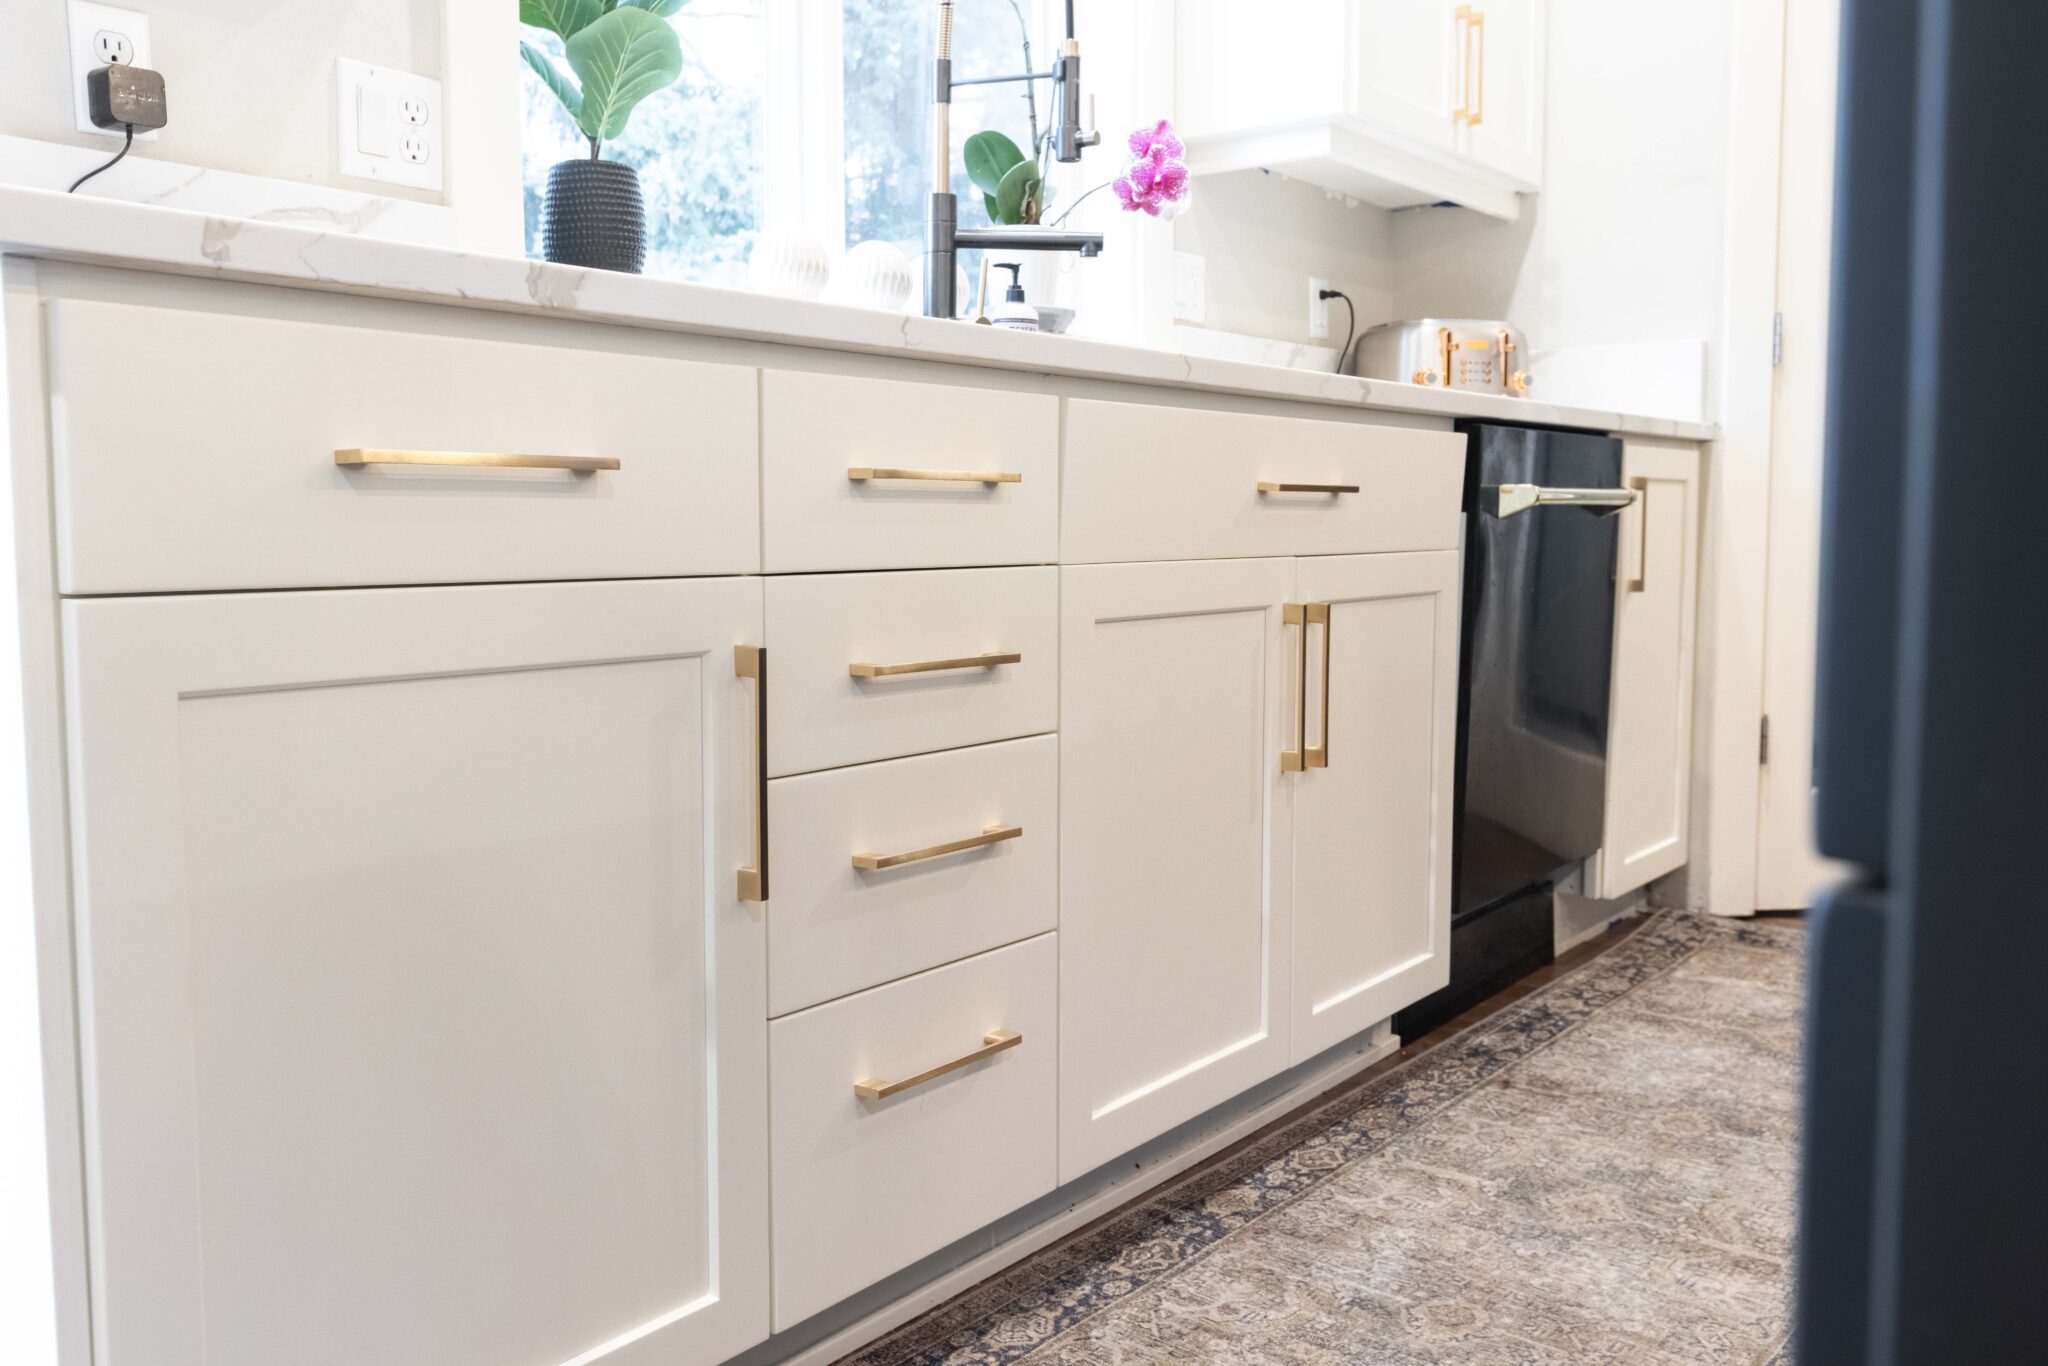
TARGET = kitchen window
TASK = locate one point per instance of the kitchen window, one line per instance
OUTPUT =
(808, 116)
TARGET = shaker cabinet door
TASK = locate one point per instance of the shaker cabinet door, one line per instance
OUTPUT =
(421, 1022)
(1174, 832)
(1502, 79)
(1372, 811)
(1649, 727)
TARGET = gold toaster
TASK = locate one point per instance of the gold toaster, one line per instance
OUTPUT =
(1446, 353)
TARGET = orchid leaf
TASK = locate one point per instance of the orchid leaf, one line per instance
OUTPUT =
(989, 156)
(621, 58)
(660, 9)
(1021, 183)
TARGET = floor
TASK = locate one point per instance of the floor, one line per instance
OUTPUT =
(1595, 1166)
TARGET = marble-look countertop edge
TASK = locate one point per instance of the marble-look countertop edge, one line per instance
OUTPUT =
(109, 232)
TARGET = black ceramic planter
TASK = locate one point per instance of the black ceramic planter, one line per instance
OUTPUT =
(594, 216)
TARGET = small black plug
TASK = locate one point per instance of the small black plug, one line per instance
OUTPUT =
(126, 97)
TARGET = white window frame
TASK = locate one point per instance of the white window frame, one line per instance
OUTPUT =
(1128, 62)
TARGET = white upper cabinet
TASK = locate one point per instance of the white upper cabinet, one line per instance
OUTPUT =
(1397, 102)
(421, 1021)
(1649, 725)
(1500, 64)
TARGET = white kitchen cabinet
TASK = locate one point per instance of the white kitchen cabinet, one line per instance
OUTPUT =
(1372, 806)
(1649, 726)
(1501, 53)
(421, 1023)
(1175, 844)
(909, 1116)
(1399, 103)
(1255, 847)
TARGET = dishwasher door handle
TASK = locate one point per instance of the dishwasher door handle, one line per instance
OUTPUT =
(1506, 500)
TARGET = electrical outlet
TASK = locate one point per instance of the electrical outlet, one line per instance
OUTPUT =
(1318, 308)
(1190, 287)
(390, 125)
(105, 35)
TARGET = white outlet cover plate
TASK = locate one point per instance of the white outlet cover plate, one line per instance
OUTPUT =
(88, 21)
(1318, 308)
(390, 125)
(1190, 287)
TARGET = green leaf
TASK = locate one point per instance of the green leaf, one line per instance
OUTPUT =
(661, 9)
(622, 58)
(989, 157)
(989, 202)
(1019, 183)
(564, 88)
(562, 17)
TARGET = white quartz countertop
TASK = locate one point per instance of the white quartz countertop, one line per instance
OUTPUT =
(109, 232)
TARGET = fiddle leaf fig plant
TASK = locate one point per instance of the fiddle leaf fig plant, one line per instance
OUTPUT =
(620, 51)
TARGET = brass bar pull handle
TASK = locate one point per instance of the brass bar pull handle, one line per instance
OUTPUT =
(1477, 114)
(1295, 614)
(1266, 486)
(932, 666)
(1509, 499)
(861, 474)
(1318, 754)
(581, 464)
(995, 834)
(751, 661)
(992, 1043)
(1461, 21)
(1641, 581)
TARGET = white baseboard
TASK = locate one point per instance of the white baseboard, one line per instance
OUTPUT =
(899, 1299)
(142, 179)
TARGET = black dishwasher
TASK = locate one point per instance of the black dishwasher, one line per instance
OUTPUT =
(1533, 674)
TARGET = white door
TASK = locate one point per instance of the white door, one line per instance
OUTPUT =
(1649, 713)
(1410, 67)
(1177, 683)
(421, 1022)
(1372, 810)
(1789, 871)
(1501, 86)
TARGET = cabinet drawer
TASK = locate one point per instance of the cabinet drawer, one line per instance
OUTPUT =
(1161, 483)
(196, 450)
(854, 676)
(817, 428)
(839, 926)
(863, 1187)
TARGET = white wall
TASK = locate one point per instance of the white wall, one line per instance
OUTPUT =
(1262, 236)
(250, 83)
(1622, 248)
(1624, 244)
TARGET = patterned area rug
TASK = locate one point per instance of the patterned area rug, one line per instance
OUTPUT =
(1602, 1172)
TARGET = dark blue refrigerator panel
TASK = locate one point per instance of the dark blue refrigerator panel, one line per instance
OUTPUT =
(1924, 1188)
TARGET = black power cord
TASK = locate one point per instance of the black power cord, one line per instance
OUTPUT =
(126, 143)
(1351, 327)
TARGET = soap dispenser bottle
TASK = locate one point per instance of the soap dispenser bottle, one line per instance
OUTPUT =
(1013, 312)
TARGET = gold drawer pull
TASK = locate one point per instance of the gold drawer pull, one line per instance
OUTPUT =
(995, 834)
(932, 666)
(1267, 486)
(582, 464)
(751, 661)
(862, 473)
(1641, 582)
(874, 1088)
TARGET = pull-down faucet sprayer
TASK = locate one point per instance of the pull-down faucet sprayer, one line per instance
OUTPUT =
(943, 237)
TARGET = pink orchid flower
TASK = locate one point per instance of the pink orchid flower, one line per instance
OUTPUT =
(1155, 179)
